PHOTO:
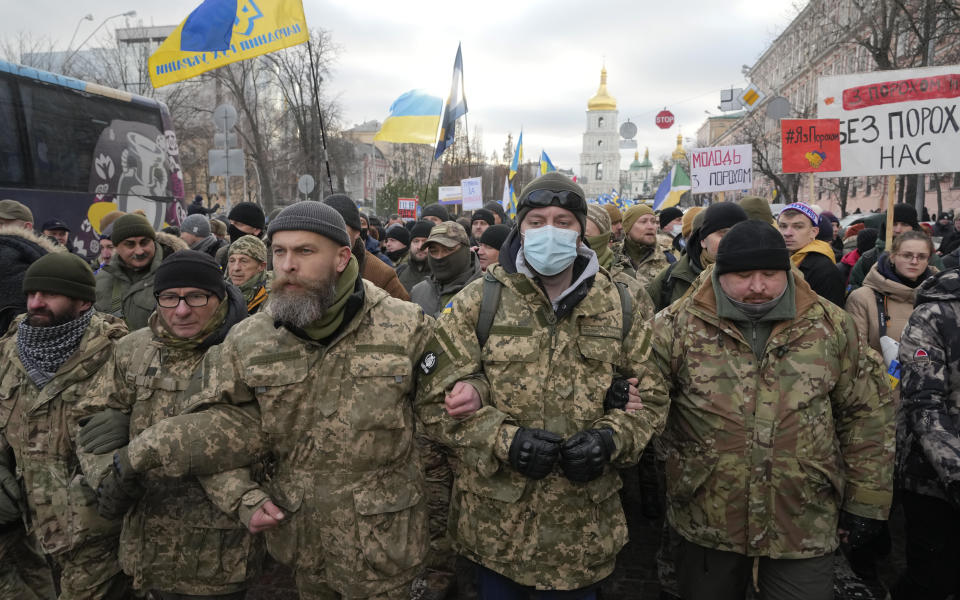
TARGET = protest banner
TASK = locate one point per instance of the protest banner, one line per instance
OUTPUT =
(895, 122)
(472, 193)
(810, 145)
(407, 208)
(449, 194)
(721, 168)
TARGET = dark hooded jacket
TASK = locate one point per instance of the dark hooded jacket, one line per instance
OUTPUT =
(18, 249)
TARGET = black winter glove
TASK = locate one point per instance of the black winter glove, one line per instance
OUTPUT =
(105, 431)
(617, 394)
(10, 497)
(120, 489)
(860, 530)
(585, 454)
(534, 452)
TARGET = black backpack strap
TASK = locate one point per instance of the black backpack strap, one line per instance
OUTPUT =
(882, 315)
(666, 288)
(626, 305)
(488, 307)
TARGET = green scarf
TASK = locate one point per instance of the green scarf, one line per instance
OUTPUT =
(332, 318)
(636, 251)
(250, 286)
(601, 245)
(162, 332)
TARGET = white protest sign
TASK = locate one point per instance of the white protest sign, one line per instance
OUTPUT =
(472, 193)
(449, 194)
(721, 168)
(895, 122)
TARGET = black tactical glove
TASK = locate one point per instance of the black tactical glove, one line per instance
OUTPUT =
(534, 452)
(585, 453)
(860, 530)
(105, 431)
(120, 489)
(10, 497)
(617, 394)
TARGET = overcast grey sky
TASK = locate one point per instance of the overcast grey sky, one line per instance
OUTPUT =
(531, 64)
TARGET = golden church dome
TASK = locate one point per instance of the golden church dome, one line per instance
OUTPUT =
(603, 100)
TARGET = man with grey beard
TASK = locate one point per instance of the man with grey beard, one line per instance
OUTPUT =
(327, 371)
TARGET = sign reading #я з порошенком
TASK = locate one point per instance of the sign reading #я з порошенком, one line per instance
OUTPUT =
(895, 122)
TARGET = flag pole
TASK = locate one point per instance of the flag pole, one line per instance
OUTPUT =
(466, 123)
(316, 101)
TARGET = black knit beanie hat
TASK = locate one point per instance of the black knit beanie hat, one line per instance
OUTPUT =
(248, 213)
(556, 182)
(399, 233)
(752, 246)
(435, 210)
(61, 273)
(482, 214)
(190, 268)
(314, 216)
(495, 235)
(722, 215)
(421, 229)
(867, 239)
(669, 214)
(347, 208)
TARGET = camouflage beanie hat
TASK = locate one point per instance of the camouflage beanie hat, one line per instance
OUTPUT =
(250, 246)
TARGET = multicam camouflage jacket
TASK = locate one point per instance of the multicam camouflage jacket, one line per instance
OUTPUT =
(538, 371)
(763, 454)
(336, 423)
(40, 425)
(174, 539)
(928, 419)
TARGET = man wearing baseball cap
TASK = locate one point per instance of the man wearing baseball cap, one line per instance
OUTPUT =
(452, 266)
(540, 412)
(47, 363)
(780, 438)
(799, 224)
(58, 230)
(143, 385)
(15, 214)
(320, 382)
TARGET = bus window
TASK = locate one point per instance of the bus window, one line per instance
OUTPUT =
(12, 171)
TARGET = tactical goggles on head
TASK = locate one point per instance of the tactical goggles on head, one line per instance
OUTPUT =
(567, 199)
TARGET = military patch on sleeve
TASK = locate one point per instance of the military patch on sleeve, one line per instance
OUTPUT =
(921, 354)
(448, 308)
(428, 362)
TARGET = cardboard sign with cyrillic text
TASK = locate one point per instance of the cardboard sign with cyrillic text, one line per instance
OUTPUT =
(810, 145)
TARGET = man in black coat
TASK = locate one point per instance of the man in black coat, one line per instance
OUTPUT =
(800, 224)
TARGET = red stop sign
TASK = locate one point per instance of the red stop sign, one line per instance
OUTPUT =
(665, 119)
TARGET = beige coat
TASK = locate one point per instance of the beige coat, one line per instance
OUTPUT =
(862, 305)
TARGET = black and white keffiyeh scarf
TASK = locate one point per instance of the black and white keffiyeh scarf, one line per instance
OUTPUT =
(43, 349)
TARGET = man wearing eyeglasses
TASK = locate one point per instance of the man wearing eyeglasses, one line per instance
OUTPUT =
(171, 527)
(541, 411)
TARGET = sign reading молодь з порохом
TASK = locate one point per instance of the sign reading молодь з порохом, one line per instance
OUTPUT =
(895, 122)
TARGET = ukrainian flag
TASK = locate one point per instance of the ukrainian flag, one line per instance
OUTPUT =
(414, 118)
(517, 157)
(220, 32)
(545, 165)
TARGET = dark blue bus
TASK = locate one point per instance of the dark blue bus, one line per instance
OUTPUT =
(74, 151)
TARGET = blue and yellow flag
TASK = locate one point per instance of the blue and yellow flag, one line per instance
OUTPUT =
(512, 211)
(413, 119)
(671, 188)
(220, 32)
(545, 165)
(455, 108)
(517, 156)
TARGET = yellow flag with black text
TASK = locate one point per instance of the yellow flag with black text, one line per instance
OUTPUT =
(220, 32)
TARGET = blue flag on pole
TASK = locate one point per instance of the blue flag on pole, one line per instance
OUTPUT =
(455, 108)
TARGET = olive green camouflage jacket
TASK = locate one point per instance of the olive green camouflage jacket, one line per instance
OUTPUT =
(334, 428)
(763, 454)
(40, 425)
(174, 539)
(538, 371)
(133, 291)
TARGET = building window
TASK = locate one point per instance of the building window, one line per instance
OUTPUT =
(600, 122)
(956, 181)
(599, 143)
(599, 173)
(869, 186)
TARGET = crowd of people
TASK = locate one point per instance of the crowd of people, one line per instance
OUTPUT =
(365, 400)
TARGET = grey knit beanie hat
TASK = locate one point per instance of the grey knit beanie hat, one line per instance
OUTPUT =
(196, 224)
(314, 216)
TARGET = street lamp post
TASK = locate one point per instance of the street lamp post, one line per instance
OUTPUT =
(129, 13)
(86, 17)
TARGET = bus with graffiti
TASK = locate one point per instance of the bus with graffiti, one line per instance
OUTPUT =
(73, 151)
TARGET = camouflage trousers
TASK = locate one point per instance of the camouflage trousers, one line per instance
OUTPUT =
(310, 589)
(174, 596)
(92, 572)
(438, 468)
(24, 572)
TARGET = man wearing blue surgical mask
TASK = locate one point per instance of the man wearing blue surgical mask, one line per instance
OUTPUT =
(534, 380)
